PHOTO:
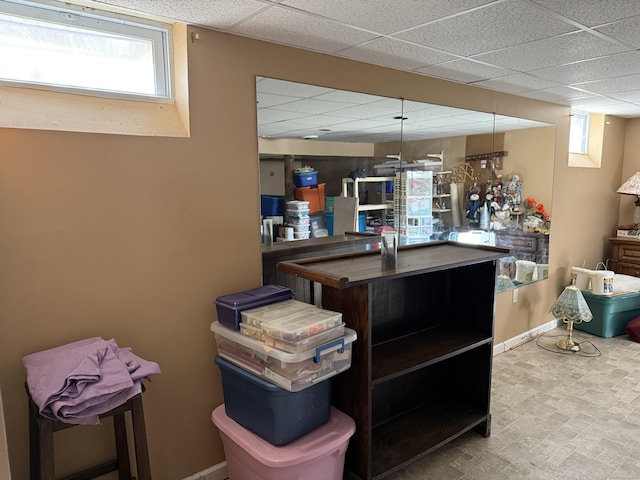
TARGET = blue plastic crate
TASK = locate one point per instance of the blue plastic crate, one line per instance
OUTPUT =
(271, 412)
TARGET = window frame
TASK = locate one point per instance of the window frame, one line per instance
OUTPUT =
(582, 131)
(102, 21)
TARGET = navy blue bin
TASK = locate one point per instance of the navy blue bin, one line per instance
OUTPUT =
(229, 307)
(271, 412)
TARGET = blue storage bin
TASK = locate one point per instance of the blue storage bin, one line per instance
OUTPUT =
(362, 221)
(230, 306)
(271, 412)
(271, 205)
(610, 313)
(329, 218)
(306, 179)
(388, 186)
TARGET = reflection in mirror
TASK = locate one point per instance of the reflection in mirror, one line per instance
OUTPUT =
(489, 176)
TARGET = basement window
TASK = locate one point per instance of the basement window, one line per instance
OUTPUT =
(80, 50)
(579, 132)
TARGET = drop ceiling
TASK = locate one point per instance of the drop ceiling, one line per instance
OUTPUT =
(578, 53)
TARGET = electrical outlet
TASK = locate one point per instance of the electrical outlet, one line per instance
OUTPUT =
(515, 295)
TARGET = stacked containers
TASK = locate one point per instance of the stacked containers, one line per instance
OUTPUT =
(299, 218)
(413, 205)
(275, 366)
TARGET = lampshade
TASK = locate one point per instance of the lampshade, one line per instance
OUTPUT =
(504, 283)
(571, 305)
(631, 186)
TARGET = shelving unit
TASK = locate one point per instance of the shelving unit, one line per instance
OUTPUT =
(421, 366)
(354, 184)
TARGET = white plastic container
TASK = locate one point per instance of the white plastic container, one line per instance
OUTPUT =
(299, 213)
(318, 455)
(580, 277)
(602, 282)
(291, 371)
(524, 270)
(298, 205)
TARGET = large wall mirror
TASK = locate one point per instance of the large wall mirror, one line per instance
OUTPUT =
(489, 176)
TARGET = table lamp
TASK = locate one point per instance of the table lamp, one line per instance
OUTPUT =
(632, 187)
(572, 308)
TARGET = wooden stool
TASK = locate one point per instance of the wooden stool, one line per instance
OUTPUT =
(41, 431)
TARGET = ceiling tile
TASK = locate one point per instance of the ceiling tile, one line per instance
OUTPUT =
(394, 53)
(518, 83)
(464, 71)
(290, 89)
(630, 96)
(382, 15)
(625, 31)
(496, 26)
(552, 51)
(623, 110)
(611, 85)
(620, 64)
(302, 30)
(310, 106)
(593, 12)
(218, 14)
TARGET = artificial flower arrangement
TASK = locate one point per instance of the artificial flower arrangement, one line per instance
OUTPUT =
(536, 218)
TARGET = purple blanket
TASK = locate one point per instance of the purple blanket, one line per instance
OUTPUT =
(76, 382)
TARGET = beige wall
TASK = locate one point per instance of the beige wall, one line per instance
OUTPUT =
(133, 238)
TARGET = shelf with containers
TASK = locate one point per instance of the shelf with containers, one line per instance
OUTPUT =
(421, 372)
(350, 188)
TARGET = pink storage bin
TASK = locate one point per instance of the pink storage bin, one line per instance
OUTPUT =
(318, 455)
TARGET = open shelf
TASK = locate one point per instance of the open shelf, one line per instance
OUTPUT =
(397, 443)
(405, 354)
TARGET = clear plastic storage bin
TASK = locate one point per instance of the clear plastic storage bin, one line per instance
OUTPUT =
(291, 371)
(302, 324)
(304, 344)
(256, 316)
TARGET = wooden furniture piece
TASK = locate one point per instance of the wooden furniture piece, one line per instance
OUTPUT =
(313, 247)
(421, 365)
(626, 255)
(41, 432)
(526, 245)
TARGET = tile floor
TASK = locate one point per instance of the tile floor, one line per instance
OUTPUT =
(555, 416)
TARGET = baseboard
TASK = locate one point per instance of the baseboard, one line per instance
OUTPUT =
(217, 472)
(524, 337)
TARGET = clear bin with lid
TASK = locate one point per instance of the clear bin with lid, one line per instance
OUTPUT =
(255, 316)
(291, 371)
(300, 213)
(298, 205)
(304, 344)
(251, 331)
(302, 324)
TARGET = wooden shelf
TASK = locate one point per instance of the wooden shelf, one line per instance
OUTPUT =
(405, 354)
(397, 443)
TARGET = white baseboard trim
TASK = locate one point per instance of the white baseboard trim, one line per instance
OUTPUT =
(217, 472)
(524, 337)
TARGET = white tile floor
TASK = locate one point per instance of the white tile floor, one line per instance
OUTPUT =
(555, 416)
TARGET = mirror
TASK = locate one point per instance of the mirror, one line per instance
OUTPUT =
(490, 175)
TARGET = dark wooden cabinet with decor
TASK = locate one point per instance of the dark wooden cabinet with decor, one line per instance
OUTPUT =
(421, 365)
(626, 256)
(525, 245)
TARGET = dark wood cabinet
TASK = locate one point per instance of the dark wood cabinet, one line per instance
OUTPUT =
(421, 365)
(525, 245)
(625, 257)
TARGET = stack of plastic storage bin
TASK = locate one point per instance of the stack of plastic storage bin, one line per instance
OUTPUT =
(275, 363)
(299, 218)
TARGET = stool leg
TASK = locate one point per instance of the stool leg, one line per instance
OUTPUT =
(140, 439)
(122, 447)
(41, 464)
